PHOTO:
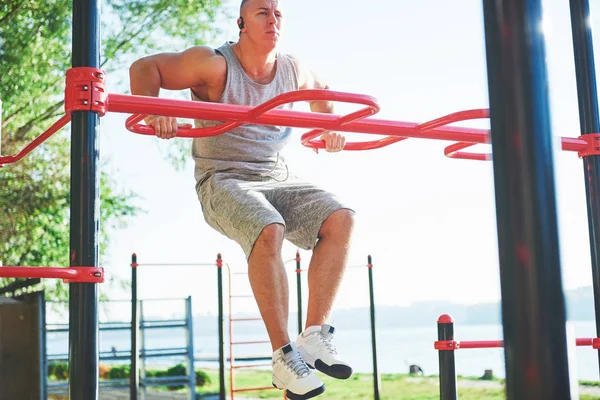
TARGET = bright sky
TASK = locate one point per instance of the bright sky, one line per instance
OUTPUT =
(428, 221)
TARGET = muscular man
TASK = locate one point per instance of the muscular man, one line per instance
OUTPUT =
(248, 193)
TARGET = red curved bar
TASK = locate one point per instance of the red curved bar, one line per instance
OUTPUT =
(581, 145)
(64, 120)
(69, 275)
(395, 130)
(424, 127)
(264, 114)
(453, 151)
(466, 115)
(253, 114)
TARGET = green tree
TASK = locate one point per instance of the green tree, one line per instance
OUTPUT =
(35, 52)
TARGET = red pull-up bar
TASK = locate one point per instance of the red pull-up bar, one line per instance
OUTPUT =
(85, 90)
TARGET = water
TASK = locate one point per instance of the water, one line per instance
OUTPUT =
(397, 348)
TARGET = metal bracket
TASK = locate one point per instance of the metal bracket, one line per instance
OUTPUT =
(446, 345)
(592, 147)
(86, 90)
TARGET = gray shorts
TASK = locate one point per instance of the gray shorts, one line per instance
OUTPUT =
(241, 208)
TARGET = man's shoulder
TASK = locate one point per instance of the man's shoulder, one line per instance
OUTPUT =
(204, 52)
(207, 58)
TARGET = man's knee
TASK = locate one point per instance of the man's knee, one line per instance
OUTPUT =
(271, 238)
(340, 221)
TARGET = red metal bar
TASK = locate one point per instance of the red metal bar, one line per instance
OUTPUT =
(479, 113)
(394, 130)
(482, 344)
(236, 115)
(252, 114)
(296, 119)
(64, 120)
(69, 275)
(583, 145)
(453, 151)
(584, 342)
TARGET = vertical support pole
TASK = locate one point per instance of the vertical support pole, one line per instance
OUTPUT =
(533, 305)
(190, 346)
(43, 342)
(222, 395)
(134, 378)
(447, 360)
(83, 297)
(376, 376)
(589, 119)
(142, 336)
(299, 291)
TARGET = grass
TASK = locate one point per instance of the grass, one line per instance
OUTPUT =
(360, 386)
(393, 387)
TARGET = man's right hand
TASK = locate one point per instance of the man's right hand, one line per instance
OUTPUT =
(164, 127)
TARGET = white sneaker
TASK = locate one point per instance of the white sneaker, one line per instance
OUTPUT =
(290, 373)
(316, 347)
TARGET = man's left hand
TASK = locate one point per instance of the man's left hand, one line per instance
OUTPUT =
(334, 141)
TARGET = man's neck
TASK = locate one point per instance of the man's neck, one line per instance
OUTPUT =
(257, 61)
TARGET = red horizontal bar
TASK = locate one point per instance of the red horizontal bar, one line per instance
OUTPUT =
(296, 119)
(449, 345)
(69, 275)
(236, 115)
(254, 389)
(480, 344)
(395, 130)
(585, 342)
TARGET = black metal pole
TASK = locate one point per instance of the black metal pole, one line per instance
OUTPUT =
(299, 290)
(587, 93)
(376, 377)
(221, 329)
(134, 378)
(447, 361)
(533, 305)
(83, 297)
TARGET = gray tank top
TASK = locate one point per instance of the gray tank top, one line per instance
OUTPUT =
(250, 149)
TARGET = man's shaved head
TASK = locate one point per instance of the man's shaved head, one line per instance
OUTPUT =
(242, 5)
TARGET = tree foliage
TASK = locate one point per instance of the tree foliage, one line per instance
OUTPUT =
(35, 52)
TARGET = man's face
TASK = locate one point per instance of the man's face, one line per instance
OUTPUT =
(263, 20)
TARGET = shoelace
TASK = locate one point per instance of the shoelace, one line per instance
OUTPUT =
(296, 364)
(326, 339)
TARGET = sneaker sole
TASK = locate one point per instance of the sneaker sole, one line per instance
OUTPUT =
(313, 393)
(338, 371)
